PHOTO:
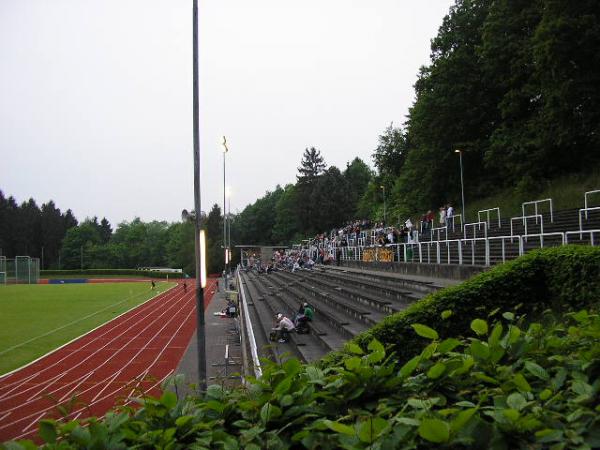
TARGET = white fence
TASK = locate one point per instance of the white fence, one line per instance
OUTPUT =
(484, 251)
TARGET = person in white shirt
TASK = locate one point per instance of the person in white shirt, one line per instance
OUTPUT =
(283, 328)
(450, 215)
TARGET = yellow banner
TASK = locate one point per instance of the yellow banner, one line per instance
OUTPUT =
(368, 255)
(378, 254)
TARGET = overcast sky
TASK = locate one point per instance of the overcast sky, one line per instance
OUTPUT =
(96, 95)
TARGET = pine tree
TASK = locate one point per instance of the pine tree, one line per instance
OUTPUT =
(311, 166)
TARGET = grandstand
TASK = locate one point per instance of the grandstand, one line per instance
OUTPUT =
(347, 302)
(490, 240)
(367, 287)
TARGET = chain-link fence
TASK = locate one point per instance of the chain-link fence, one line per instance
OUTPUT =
(21, 270)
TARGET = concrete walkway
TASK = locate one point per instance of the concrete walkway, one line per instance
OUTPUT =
(219, 333)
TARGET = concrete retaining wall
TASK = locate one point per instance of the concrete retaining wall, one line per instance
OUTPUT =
(450, 271)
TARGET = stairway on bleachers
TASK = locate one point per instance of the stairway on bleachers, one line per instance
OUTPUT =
(346, 304)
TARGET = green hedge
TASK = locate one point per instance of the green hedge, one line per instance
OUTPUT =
(107, 272)
(563, 278)
(508, 386)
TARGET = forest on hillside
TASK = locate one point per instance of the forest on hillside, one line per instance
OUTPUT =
(514, 85)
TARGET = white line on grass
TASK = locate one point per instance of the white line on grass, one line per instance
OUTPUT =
(4, 375)
(69, 324)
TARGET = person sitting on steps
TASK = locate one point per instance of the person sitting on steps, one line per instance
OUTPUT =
(305, 314)
(283, 328)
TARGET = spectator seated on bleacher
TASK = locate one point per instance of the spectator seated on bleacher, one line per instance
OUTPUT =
(305, 314)
(283, 328)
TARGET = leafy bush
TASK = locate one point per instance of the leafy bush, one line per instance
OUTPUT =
(506, 387)
(564, 278)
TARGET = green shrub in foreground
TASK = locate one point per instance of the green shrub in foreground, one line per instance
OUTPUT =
(564, 278)
(507, 386)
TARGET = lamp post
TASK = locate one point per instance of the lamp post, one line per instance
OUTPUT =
(228, 226)
(462, 186)
(384, 209)
(225, 244)
(198, 239)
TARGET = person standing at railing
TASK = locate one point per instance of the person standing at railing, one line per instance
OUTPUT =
(442, 215)
(428, 223)
(390, 235)
(450, 215)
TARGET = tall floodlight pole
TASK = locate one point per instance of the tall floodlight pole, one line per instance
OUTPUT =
(201, 332)
(384, 209)
(229, 225)
(462, 186)
(225, 243)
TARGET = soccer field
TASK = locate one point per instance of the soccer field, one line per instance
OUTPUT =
(35, 319)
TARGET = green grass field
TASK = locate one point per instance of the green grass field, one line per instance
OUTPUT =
(35, 319)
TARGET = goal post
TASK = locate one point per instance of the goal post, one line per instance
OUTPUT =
(20, 270)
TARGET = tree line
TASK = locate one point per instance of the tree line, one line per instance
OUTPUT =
(62, 242)
(322, 198)
(515, 86)
(29, 230)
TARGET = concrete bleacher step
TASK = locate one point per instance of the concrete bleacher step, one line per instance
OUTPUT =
(347, 325)
(319, 340)
(367, 299)
(301, 346)
(337, 301)
(258, 312)
(386, 298)
(419, 287)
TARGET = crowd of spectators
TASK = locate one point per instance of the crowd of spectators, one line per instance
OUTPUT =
(324, 248)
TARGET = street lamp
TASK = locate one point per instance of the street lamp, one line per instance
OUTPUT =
(225, 244)
(462, 186)
(228, 225)
(200, 249)
(384, 209)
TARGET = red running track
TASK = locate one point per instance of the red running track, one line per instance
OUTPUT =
(128, 356)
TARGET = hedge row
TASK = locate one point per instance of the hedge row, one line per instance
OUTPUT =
(508, 386)
(107, 272)
(561, 279)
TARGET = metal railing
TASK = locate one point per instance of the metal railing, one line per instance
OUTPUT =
(249, 330)
(453, 220)
(579, 215)
(585, 199)
(476, 250)
(524, 218)
(478, 225)
(503, 241)
(439, 230)
(581, 233)
(535, 203)
(488, 211)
